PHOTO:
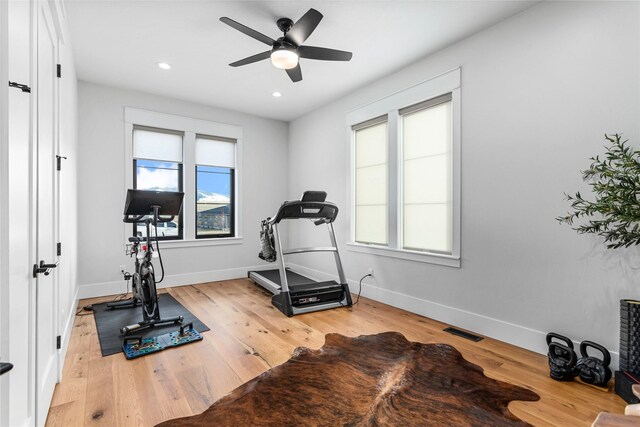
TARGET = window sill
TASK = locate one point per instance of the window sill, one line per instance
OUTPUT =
(429, 258)
(174, 244)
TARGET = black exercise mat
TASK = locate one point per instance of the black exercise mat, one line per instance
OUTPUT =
(109, 322)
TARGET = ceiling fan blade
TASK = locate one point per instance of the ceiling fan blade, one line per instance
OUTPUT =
(248, 31)
(324, 54)
(302, 29)
(251, 59)
(295, 73)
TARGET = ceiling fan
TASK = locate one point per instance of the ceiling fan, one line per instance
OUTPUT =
(287, 50)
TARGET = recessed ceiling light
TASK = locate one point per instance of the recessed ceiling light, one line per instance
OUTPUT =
(276, 94)
(164, 65)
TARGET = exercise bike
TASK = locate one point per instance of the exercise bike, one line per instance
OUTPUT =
(147, 207)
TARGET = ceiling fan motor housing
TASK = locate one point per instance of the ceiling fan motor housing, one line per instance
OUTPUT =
(284, 24)
(281, 44)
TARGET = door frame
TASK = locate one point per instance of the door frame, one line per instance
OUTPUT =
(4, 199)
(44, 7)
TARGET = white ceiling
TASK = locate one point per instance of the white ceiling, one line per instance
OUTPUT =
(119, 43)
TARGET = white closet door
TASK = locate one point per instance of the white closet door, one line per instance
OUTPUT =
(17, 399)
(46, 221)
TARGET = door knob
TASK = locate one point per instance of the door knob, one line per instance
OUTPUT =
(43, 268)
(5, 367)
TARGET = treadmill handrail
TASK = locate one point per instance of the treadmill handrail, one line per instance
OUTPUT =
(312, 210)
(312, 249)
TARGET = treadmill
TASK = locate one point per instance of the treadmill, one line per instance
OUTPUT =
(294, 293)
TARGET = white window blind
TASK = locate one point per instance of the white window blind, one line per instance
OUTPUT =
(427, 176)
(371, 182)
(157, 145)
(212, 151)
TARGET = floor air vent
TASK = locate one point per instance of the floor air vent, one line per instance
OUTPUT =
(464, 334)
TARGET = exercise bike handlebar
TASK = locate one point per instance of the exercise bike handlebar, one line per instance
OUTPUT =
(144, 218)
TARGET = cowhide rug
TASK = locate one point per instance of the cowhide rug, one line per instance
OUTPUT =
(371, 380)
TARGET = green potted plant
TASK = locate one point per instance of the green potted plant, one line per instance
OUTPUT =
(615, 182)
(615, 215)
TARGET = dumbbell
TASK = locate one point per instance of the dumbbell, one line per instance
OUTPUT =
(562, 358)
(593, 370)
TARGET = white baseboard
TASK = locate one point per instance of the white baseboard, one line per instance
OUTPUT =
(517, 335)
(511, 333)
(113, 288)
(66, 334)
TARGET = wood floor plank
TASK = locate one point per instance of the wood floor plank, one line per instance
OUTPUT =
(100, 407)
(245, 364)
(248, 336)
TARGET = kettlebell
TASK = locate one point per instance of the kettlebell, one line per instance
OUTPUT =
(562, 358)
(552, 335)
(592, 369)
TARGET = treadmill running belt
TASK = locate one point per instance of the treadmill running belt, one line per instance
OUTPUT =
(293, 279)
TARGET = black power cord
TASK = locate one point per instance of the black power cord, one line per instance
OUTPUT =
(88, 308)
(159, 254)
(360, 288)
(127, 277)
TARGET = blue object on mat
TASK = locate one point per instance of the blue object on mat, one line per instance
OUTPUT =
(137, 346)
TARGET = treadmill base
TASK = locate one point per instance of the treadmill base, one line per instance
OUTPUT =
(282, 302)
(305, 295)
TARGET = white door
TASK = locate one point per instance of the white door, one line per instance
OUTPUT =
(17, 241)
(46, 221)
(4, 214)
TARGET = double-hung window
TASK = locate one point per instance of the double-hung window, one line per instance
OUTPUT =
(371, 181)
(427, 175)
(198, 157)
(215, 171)
(157, 165)
(405, 192)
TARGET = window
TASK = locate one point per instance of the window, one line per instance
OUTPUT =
(198, 157)
(427, 176)
(371, 181)
(215, 169)
(405, 173)
(157, 165)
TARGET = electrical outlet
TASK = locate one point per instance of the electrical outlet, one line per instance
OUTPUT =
(123, 268)
(371, 272)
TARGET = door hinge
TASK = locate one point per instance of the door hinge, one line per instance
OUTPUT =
(59, 248)
(59, 161)
(23, 88)
(59, 70)
(58, 342)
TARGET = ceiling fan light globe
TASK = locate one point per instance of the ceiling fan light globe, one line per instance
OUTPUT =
(284, 59)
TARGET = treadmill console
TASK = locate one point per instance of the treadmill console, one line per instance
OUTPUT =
(314, 196)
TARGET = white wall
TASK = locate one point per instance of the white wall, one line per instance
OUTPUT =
(539, 90)
(102, 190)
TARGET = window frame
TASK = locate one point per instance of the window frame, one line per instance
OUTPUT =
(231, 210)
(442, 84)
(190, 127)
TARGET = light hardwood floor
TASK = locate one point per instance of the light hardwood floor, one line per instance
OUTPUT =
(248, 336)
